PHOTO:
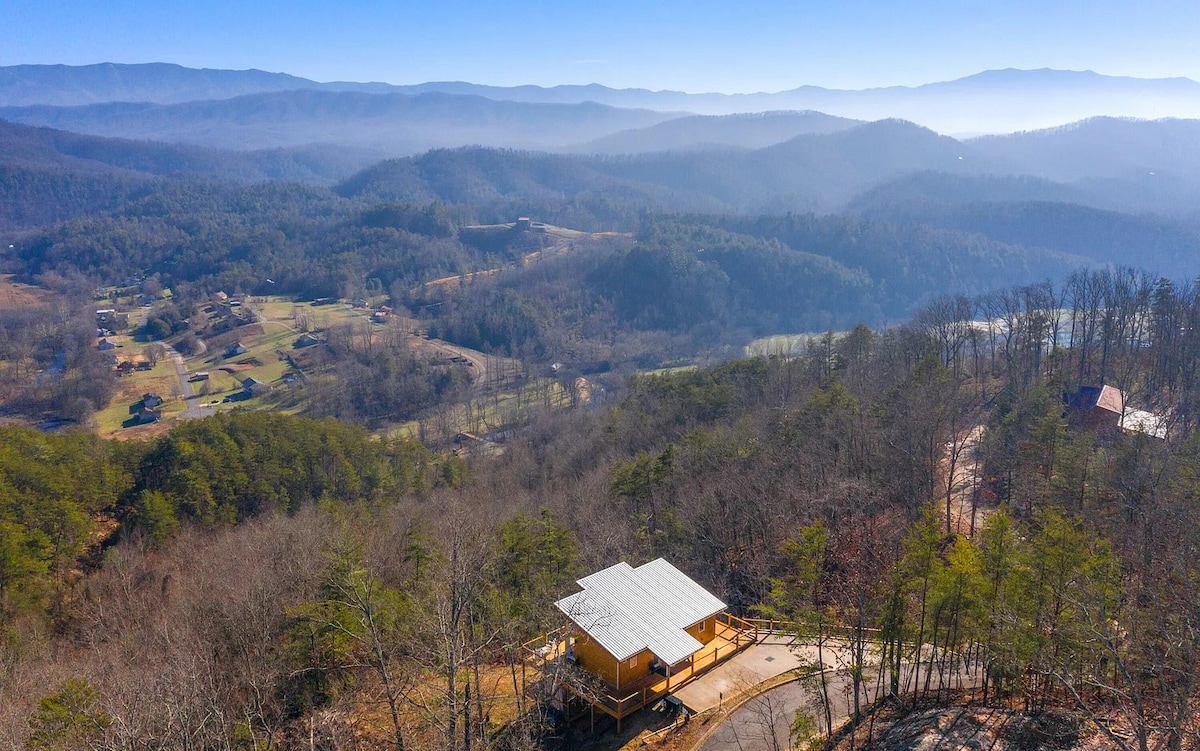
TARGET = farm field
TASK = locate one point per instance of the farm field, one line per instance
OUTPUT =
(267, 345)
(500, 394)
(114, 420)
(784, 344)
(14, 295)
(484, 414)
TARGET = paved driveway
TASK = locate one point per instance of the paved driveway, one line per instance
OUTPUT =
(770, 657)
(764, 722)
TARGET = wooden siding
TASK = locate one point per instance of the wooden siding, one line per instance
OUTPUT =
(595, 659)
(730, 635)
(630, 674)
(707, 633)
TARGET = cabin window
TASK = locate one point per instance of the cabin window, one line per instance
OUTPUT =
(633, 661)
(702, 624)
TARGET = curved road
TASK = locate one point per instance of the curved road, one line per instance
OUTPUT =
(763, 723)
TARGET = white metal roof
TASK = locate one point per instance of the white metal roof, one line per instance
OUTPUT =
(1141, 421)
(628, 609)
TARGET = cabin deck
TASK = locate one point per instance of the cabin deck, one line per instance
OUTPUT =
(732, 636)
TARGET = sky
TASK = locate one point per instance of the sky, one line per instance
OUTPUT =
(688, 45)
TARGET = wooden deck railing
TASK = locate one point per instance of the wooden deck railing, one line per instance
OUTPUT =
(533, 648)
(737, 635)
(745, 627)
(778, 626)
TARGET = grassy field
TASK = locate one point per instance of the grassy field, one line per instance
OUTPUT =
(564, 233)
(666, 371)
(14, 295)
(264, 359)
(785, 344)
(268, 345)
(161, 380)
(287, 312)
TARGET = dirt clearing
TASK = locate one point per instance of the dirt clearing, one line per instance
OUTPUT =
(17, 296)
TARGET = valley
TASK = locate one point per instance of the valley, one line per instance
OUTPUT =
(357, 416)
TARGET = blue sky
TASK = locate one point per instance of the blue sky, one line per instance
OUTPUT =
(697, 45)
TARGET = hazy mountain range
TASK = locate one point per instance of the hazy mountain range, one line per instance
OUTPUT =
(392, 123)
(989, 102)
(889, 162)
(1083, 190)
(709, 132)
(1104, 163)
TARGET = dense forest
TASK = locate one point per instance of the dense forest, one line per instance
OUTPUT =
(253, 580)
(320, 579)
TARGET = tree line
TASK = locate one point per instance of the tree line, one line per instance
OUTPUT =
(357, 589)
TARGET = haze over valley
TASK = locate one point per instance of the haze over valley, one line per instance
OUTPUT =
(321, 399)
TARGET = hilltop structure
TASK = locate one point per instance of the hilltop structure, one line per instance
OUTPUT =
(634, 635)
(1103, 409)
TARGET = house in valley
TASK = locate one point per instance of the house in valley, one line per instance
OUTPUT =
(254, 387)
(145, 416)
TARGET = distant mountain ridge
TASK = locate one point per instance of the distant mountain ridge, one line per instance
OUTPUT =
(889, 165)
(393, 123)
(157, 83)
(51, 175)
(884, 163)
(40, 148)
(812, 172)
(994, 101)
(1101, 146)
(889, 200)
(713, 132)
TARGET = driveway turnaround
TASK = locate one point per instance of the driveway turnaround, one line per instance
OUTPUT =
(774, 655)
(763, 723)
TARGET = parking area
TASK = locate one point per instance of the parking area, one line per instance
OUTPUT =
(772, 656)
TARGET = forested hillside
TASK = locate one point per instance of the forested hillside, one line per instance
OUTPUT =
(1170, 247)
(315, 398)
(686, 256)
(264, 579)
(815, 171)
(720, 280)
(826, 171)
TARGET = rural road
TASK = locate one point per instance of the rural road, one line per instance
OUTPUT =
(557, 249)
(193, 410)
(479, 361)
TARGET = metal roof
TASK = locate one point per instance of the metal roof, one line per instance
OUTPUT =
(1111, 399)
(627, 610)
(1102, 397)
(1141, 421)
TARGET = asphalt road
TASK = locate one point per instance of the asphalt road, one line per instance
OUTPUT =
(764, 722)
(193, 410)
